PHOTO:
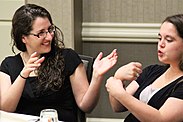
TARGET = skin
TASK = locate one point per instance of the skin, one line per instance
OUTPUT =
(169, 51)
(86, 95)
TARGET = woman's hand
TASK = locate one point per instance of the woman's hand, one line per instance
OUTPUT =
(114, 86)
(102, 65)
(32, 64)
(129, 71)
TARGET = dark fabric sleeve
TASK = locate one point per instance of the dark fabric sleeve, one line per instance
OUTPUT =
(4, 66)
(178, 91)
(12, 66)
(72, 60)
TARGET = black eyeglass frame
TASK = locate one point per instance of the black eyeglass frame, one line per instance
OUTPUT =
(50, 30)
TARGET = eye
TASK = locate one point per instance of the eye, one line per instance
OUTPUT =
(169, 39)
(41, 33)
(51, 29)
(159, 38)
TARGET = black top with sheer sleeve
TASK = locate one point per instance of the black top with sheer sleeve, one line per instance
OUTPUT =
(31, 103)
(149, 75)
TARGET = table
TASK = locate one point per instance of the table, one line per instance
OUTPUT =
(15, 117)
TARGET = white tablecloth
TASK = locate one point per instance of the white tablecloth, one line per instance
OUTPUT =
(14, 117)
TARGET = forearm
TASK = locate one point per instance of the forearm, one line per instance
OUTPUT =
(130, 89)
(118, 75)
(142, 111)
(91, 97)
(10, 98)
(116, 105)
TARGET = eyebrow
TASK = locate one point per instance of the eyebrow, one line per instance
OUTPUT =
(42, 30)
(167, 36)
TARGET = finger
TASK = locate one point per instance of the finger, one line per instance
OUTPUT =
(35, 54)
(113, 53)
(137, 75)
(40, 60)
(33, 57)
(138, 68)
(138, 64)
(32, 60)
(99, 56)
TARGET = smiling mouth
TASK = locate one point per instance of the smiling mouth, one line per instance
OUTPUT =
(46, 43)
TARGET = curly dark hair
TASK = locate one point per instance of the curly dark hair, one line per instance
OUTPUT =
(50, 73)
(177, 21)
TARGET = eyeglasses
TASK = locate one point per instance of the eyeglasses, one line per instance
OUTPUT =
(43, 34)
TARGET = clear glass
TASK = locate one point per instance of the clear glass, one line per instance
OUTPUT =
(48, 115)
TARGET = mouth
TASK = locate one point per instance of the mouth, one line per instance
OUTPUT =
(160, 53)
(46, 43)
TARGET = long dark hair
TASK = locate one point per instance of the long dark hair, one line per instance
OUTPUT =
(177, 21)
(50, 73)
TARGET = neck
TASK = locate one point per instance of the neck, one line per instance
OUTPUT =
(25, 56)
(173, 72)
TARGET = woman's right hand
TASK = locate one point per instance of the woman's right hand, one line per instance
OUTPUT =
(103, 64)
(129, 71)
(32, 64)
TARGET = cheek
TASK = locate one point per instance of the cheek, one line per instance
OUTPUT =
(177, 53)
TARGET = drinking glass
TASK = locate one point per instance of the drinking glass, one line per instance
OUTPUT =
(48, 115)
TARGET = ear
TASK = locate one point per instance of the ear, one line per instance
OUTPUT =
(24, 39)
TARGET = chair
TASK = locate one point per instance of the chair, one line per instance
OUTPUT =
(88, 63)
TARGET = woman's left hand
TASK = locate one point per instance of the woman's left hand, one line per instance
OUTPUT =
(102, 65)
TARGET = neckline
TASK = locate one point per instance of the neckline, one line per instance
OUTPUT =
(173, 82)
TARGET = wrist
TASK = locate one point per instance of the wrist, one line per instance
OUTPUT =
(23, 76)
(119, 77)
(96, 76)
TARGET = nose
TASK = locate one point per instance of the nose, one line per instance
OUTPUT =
(49, 36)
(161, 43)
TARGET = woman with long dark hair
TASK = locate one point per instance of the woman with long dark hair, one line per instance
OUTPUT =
(45, 74)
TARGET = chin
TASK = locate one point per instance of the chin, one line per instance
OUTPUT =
(161, 60)
(46, 51)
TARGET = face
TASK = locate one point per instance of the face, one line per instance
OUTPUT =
(170, 45)
(35, 42)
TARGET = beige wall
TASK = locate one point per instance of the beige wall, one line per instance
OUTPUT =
(130, 11)
(7, 9)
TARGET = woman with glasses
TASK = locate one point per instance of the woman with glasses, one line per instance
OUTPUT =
(45, 74)
(155, 94)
